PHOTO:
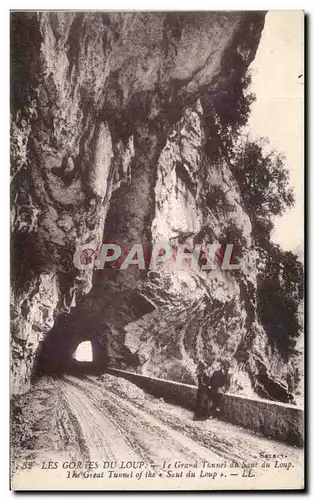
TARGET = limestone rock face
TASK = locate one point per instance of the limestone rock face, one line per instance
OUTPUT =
(108, 136)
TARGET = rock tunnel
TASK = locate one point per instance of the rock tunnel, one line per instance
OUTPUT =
(57, 353)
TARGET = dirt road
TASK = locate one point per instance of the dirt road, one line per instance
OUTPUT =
(112, 420)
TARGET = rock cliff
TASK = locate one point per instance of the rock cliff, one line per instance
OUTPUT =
(109, 126)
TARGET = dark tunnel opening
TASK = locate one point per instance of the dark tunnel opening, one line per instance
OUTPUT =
(59, 353)
(55, 354)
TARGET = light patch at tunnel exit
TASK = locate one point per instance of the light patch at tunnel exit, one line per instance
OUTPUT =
(84, 352)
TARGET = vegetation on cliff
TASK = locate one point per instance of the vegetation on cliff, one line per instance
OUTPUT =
(264, 183)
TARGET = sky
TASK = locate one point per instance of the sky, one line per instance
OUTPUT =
(278, 111)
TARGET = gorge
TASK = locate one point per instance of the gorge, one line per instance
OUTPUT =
(111, 131)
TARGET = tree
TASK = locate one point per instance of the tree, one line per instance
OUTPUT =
(233, 106)
(226, 113)
(264, 184)
(279, 293)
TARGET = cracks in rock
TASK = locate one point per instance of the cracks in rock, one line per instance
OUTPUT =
(61, 157)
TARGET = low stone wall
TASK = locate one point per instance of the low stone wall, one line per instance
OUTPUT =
(276, 420)
(280, 421)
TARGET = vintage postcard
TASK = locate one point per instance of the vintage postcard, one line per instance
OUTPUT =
(157, 175)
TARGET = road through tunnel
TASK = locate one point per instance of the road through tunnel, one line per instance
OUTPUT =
(102, 327)
(72, 348)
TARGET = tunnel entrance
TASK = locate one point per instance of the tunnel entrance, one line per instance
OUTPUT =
(56, 353)
(73, 348)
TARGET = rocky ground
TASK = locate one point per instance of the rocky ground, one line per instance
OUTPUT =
(111, 419)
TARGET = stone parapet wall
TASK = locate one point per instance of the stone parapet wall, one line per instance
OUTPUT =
(280, 421)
